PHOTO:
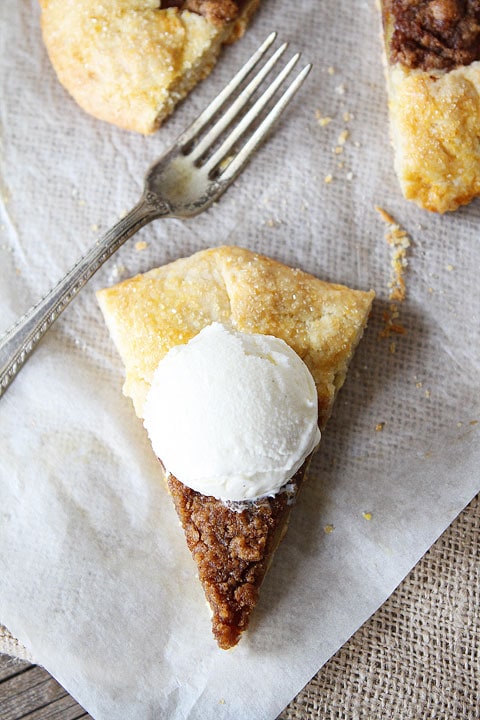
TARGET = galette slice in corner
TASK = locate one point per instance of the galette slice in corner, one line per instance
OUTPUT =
(130, 62)
(432, 53)
(233, 360)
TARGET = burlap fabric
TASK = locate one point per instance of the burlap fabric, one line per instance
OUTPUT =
(10, 646)
(418, 655)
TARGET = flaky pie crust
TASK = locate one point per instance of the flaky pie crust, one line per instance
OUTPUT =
(130, 62)
(167, 306)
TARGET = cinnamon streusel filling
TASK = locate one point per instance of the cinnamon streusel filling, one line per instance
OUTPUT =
(434, 34)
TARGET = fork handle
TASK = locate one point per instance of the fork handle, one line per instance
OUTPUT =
(20, 340)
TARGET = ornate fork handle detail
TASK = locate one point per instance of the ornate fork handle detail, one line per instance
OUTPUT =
(21, 339)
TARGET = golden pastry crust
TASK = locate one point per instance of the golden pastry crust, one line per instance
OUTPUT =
(167, 306)
(435, 131)
(130, 62)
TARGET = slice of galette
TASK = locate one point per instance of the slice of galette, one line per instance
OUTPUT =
(130, 62)
(233, 360)
(432, 52)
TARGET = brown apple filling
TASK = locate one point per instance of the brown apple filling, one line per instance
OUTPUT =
(434, 34)
(233, 548)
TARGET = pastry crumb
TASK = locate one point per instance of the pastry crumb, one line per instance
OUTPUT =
(390, 318)
(367, 515)
(328, 179)
(399, 241)
(343, 137)
(379, 426)
(386, 217)
(331, 70)
(273, 223)
(141, 245)
(322, 120)
(328, 529)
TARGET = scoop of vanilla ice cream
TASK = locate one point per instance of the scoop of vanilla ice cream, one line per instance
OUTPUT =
(231, 414)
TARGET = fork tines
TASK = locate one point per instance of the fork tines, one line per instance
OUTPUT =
(223, 158)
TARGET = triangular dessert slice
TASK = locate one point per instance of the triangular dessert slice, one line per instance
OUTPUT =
(233, 542)
(432, 53)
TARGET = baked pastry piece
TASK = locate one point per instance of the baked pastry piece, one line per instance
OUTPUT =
(131, 61)
(433, 80)
(151, 313)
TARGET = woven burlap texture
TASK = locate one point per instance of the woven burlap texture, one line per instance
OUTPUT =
(10, 646)
(417, 657)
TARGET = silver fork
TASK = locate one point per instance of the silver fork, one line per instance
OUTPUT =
(188, 178)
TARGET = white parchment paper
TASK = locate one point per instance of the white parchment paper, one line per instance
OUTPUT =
(96, 579)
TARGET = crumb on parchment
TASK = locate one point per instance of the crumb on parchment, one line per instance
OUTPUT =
(399, 241)
(322, 120)
(392, 325)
